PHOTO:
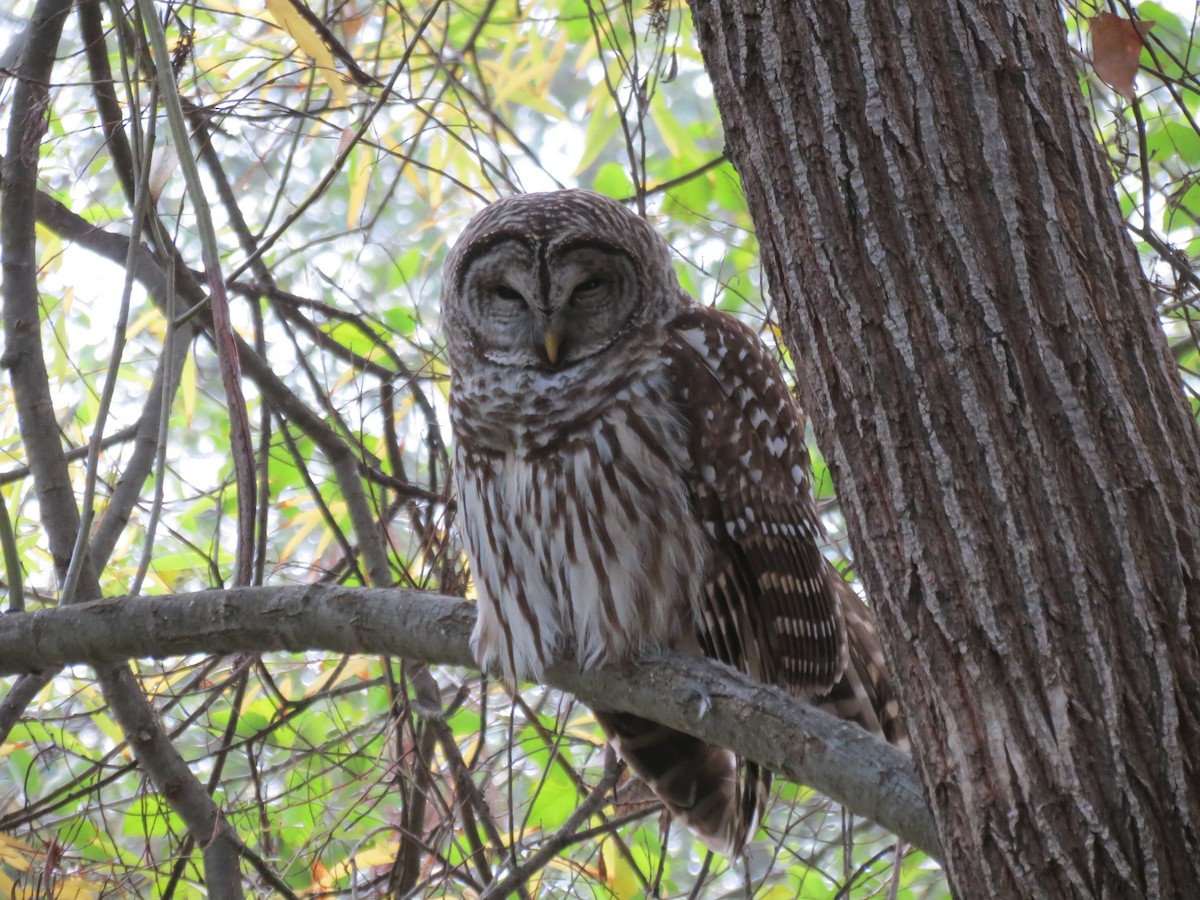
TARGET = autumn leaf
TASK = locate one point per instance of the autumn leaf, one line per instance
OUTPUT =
(310, 43)
(1116, 49)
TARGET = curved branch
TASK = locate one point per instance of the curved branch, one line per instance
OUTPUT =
(39, 433)
(697, 696)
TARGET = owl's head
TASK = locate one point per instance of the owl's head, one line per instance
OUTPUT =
(549, 280)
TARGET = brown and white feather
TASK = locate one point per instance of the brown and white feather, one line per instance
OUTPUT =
(632, 478)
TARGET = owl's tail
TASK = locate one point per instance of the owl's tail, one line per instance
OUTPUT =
(702, 785)
(719, 797)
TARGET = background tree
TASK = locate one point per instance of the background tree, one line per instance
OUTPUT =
(315, 165)
(989, 379)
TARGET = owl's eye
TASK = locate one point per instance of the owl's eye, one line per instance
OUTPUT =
(509, 295)
(588, 289)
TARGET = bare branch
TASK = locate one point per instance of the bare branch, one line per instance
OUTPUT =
(696, 696)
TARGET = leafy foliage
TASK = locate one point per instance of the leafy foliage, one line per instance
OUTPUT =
(1153, 144)
(340, 149)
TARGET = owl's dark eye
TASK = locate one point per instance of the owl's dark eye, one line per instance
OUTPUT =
(589, 288)
(509, 295)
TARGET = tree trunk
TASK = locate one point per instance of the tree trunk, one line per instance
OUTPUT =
(1018, 469)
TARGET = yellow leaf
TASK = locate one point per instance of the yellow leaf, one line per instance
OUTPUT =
(72, 889)
(357, 667)
(187, 387)
(15, 854)
(337, 510)
(527, 80)
(6, 749)
(112, 731)
(674, 134)
(536, 102)
(52, 249)
(584, 729)
(360, 178)
(554, 62)
(310, 44)
(19, 857)
(151, 317)
(415, 181)
(778, 892)
(303, 524)
(382, 854)
(621, 880)
(437, 164)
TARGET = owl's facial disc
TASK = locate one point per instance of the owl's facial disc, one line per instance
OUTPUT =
(549, 307)
(590, 295)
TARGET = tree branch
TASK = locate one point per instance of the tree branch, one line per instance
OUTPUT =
(39, 432)
(696, 696)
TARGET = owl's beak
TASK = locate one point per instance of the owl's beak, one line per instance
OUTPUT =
(552, 339)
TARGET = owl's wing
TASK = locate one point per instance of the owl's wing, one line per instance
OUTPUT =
(768, 607)
(865, 693)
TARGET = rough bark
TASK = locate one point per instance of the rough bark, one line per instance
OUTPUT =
(987, 377)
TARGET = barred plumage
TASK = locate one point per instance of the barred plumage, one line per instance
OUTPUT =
(632, 477)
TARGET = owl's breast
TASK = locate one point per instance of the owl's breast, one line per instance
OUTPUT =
(532, 412)
(580, 534)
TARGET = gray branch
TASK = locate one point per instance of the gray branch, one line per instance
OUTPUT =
(693, 695)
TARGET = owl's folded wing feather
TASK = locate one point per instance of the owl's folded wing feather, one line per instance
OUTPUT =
(768, 607)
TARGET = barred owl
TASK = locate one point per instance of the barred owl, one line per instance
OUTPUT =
(632, 477)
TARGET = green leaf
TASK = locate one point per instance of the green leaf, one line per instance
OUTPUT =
(613, 181)
(409, 265)
(40, 733)
(1172, 141)
(400, 320)
(727, 189)
(555, 802)
(1189, 203)
(1168, 24)
(687, 277)
(87, 839)
(674, 134)
(255, 718)
(150, 816)
(822, 479)
(23, 772)
(689, 198)
(575, 20)
(601, 129)
(353, 338)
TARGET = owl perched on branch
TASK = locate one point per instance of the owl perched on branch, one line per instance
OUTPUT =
(632, 477)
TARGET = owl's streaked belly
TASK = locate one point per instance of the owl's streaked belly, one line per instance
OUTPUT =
(580, 535)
